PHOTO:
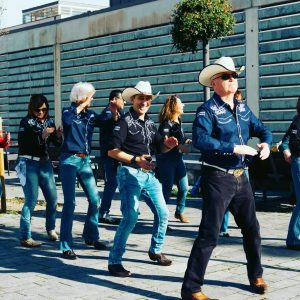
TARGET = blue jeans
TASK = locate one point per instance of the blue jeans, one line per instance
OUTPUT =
(171, 169)
(72, 166)
(134, 183)
(38, 174)
(111, 184)
(221, 190)
(293, 237)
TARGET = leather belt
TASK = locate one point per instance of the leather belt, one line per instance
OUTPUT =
(36, 158)
(234, 172)
(80, 154)
(134, 167)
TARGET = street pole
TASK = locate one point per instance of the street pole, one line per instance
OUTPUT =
(206, 90)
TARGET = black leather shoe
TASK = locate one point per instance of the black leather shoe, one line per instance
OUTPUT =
(109, 220)
(118, 270)
(160, 258)
(97, 244)
(69, 254)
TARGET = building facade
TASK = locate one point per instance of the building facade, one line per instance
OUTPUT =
(118, 46)
(60, 9)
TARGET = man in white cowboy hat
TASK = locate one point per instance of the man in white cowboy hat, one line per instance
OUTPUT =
(221, 130)
(134, 139)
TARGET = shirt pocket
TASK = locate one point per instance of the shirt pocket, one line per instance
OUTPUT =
(224, 120)
(244, 116)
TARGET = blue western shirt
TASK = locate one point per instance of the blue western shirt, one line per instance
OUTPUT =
(78, 129)
(217, 129)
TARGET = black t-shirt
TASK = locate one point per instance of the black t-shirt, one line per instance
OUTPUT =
(135, 136)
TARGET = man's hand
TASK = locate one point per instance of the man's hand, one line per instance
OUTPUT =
(145, 162)
(264, 150)
(287, 156)
(170, 142)
(47, 132)
(244, 150)
(113, 106)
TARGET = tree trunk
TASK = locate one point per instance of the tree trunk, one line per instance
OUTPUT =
(206, 90)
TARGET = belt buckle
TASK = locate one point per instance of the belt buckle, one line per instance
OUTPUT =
(238, 172)
(145, 170)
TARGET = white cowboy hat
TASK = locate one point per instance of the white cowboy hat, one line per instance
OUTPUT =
(223, 64)
(142, 87)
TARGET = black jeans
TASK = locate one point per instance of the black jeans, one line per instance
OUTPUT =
(221, 190)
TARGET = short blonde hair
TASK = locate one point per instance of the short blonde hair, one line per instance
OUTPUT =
(80, 90)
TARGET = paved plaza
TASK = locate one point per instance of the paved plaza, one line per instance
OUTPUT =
(42, 273)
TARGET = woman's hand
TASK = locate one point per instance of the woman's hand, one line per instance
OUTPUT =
(47, 132)
(59, 132)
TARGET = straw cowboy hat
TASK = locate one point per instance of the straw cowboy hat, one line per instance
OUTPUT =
(221, 65)
(142, 87)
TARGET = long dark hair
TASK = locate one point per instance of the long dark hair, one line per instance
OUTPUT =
(168, 109)
(36, 101)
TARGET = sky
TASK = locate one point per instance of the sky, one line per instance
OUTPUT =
(13, 9)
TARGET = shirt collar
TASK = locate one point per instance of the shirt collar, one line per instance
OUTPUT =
(220, 102)
(135, 116)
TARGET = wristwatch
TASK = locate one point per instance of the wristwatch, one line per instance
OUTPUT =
(133, 160)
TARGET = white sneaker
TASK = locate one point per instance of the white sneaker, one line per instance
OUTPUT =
(52, 235)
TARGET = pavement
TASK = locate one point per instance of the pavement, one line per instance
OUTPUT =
(42, 273)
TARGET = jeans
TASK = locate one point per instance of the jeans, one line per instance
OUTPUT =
(111, 184)
(38, 174)
(221, 190)
(134, 183)
(171, 169)
(225, 222)
(224, 225)
(293, 237)
(72, 166)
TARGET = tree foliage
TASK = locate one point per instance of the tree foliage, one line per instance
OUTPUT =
(200, 20)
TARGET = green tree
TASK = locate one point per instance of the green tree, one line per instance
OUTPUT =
(197, 21)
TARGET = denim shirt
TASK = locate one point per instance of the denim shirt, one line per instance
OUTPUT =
(78, 129)
(217, 129)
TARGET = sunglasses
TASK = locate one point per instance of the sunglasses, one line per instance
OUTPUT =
(37, 110)
(227, 76)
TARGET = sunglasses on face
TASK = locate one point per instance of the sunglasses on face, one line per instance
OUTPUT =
(227, 76)
(37, 110)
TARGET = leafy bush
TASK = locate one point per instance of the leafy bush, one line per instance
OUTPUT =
(200, 20)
